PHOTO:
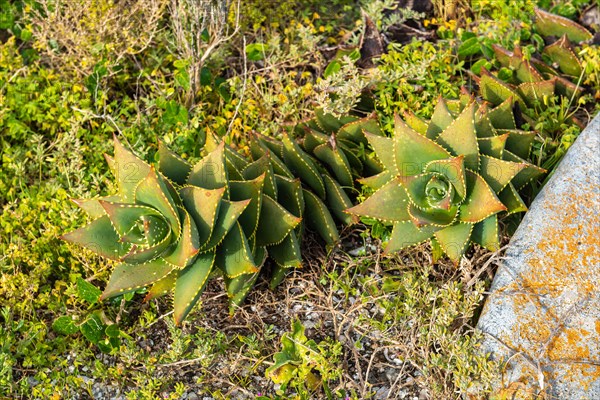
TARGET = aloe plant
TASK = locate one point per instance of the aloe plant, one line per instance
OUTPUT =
(169, 228)
(448, 180)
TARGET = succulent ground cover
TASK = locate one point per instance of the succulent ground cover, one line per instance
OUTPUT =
(301, 101)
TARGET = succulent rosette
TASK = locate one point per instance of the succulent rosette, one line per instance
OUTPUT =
(448, 182)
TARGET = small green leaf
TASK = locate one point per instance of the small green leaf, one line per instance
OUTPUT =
(87, 291)
(256, 51)
(112, 331)
(65, 326)
(332, 68)
(93, 328)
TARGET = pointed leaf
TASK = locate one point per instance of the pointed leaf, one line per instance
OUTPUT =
(302, 166)
(162, 286)
(413, 151)
(384, 149)
(189, 286)
(229, 213)
(519, 142)
(511, 199)
(485, 233)
(129, 277)
(390, 203)
(275, 223)
(353, 131)
(249, 190)
(203, 206)
(502, 117)
(492, 146)
(432, 216)
(338, 201)
(561, 53)
(287, 253)
(187, 245)
(319, 219)
(93, 207)
(262, 166)
(210, 172)
(498, 173)
(313, 139)
(337, 162)
(460, 138)
(527, 174)
(494, 90)
(238, 288)
(171, 165)
(100, 237)
(376, 182)
(548, 24)
(537, 92)
(153, 192)
(234, 256)
(481, 201)
(129, 171)
(290, 195)
(405, 234)
(125, 216)
(416, 123)
(454, 239)
(440, 120)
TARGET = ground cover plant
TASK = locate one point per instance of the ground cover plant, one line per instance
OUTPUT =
(281, 96)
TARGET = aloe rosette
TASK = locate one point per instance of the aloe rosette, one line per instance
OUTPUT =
(447, 181)
(173, 228)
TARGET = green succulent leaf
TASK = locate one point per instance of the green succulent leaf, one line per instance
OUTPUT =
(338, 201)
(390, 203)
(203, 206)
(417, 123)
(537, 92)
(189, 285)
(171, 165)
(125, 217)
(290, 194)
(561, 53)
(153, 191)
(492, 146)
(312, 139)
(93, 207)
(100, 237)
(548, 24)
(188, 243)
(527, 174)
(354, 131)
(319, 219)
(337, 162)
(129, 171)
(210, 172)
(301, 164)
(440, 120)
(460, 138)
(454, 240)
(498, 173)
(259, 167)
(229, 213)
(481, 201)
(235, 257)
(519, 142)
(493, 89)
(287, 253)
(413, 151)
(406, 234)
(511, 199)
(383, 147)
(502, 117)
(485, 233)
(270, 232)
(129, 277)
(162, 286)
(249, 190)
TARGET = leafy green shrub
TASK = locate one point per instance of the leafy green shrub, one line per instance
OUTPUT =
(299, 357)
